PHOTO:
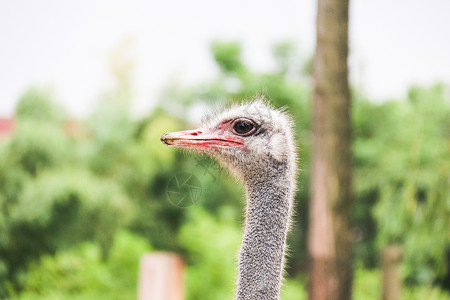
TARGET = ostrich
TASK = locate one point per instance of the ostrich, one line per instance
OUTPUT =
(255, 142)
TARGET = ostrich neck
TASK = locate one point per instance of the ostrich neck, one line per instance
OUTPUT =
(261, 258)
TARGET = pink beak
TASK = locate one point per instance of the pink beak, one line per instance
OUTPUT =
(199, 140)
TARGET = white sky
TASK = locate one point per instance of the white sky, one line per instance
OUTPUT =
(65, 44)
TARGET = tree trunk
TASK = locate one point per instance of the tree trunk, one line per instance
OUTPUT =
(330, 240)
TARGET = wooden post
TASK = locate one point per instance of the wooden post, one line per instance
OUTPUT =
(391, 258)
(161, 277)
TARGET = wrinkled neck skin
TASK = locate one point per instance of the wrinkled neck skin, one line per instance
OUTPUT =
(270, 194)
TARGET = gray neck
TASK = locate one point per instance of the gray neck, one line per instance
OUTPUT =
(261, 258)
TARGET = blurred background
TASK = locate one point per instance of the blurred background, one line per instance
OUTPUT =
(88, 87)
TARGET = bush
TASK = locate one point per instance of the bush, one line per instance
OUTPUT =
(80, 272)
(294, 289)
(212, 246)
(58, 210)
(38, 146)
(367, 286)
(37, 105)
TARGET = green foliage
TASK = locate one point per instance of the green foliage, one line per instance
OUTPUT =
(112, 131)
(49, 199)
(424, 292)
(68, 206)
(228, 56)
(36, 146)
(58, 210)
(81, 273)
(403, 157)
(12, 179)
(367, 286)
(36, 105)
(212, 245)
(294, 289)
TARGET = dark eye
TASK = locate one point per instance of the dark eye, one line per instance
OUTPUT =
(244, 127)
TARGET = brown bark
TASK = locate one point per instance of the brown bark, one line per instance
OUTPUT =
(330, 242)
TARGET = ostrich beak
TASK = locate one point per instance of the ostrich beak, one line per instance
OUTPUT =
(198, 139)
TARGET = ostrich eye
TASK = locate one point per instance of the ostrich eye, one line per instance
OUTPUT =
(243, 127)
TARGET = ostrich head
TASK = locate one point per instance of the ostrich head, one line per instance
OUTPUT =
(247, 138)
(255, 142)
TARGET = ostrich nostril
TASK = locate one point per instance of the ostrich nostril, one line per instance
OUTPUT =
(195, 133)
